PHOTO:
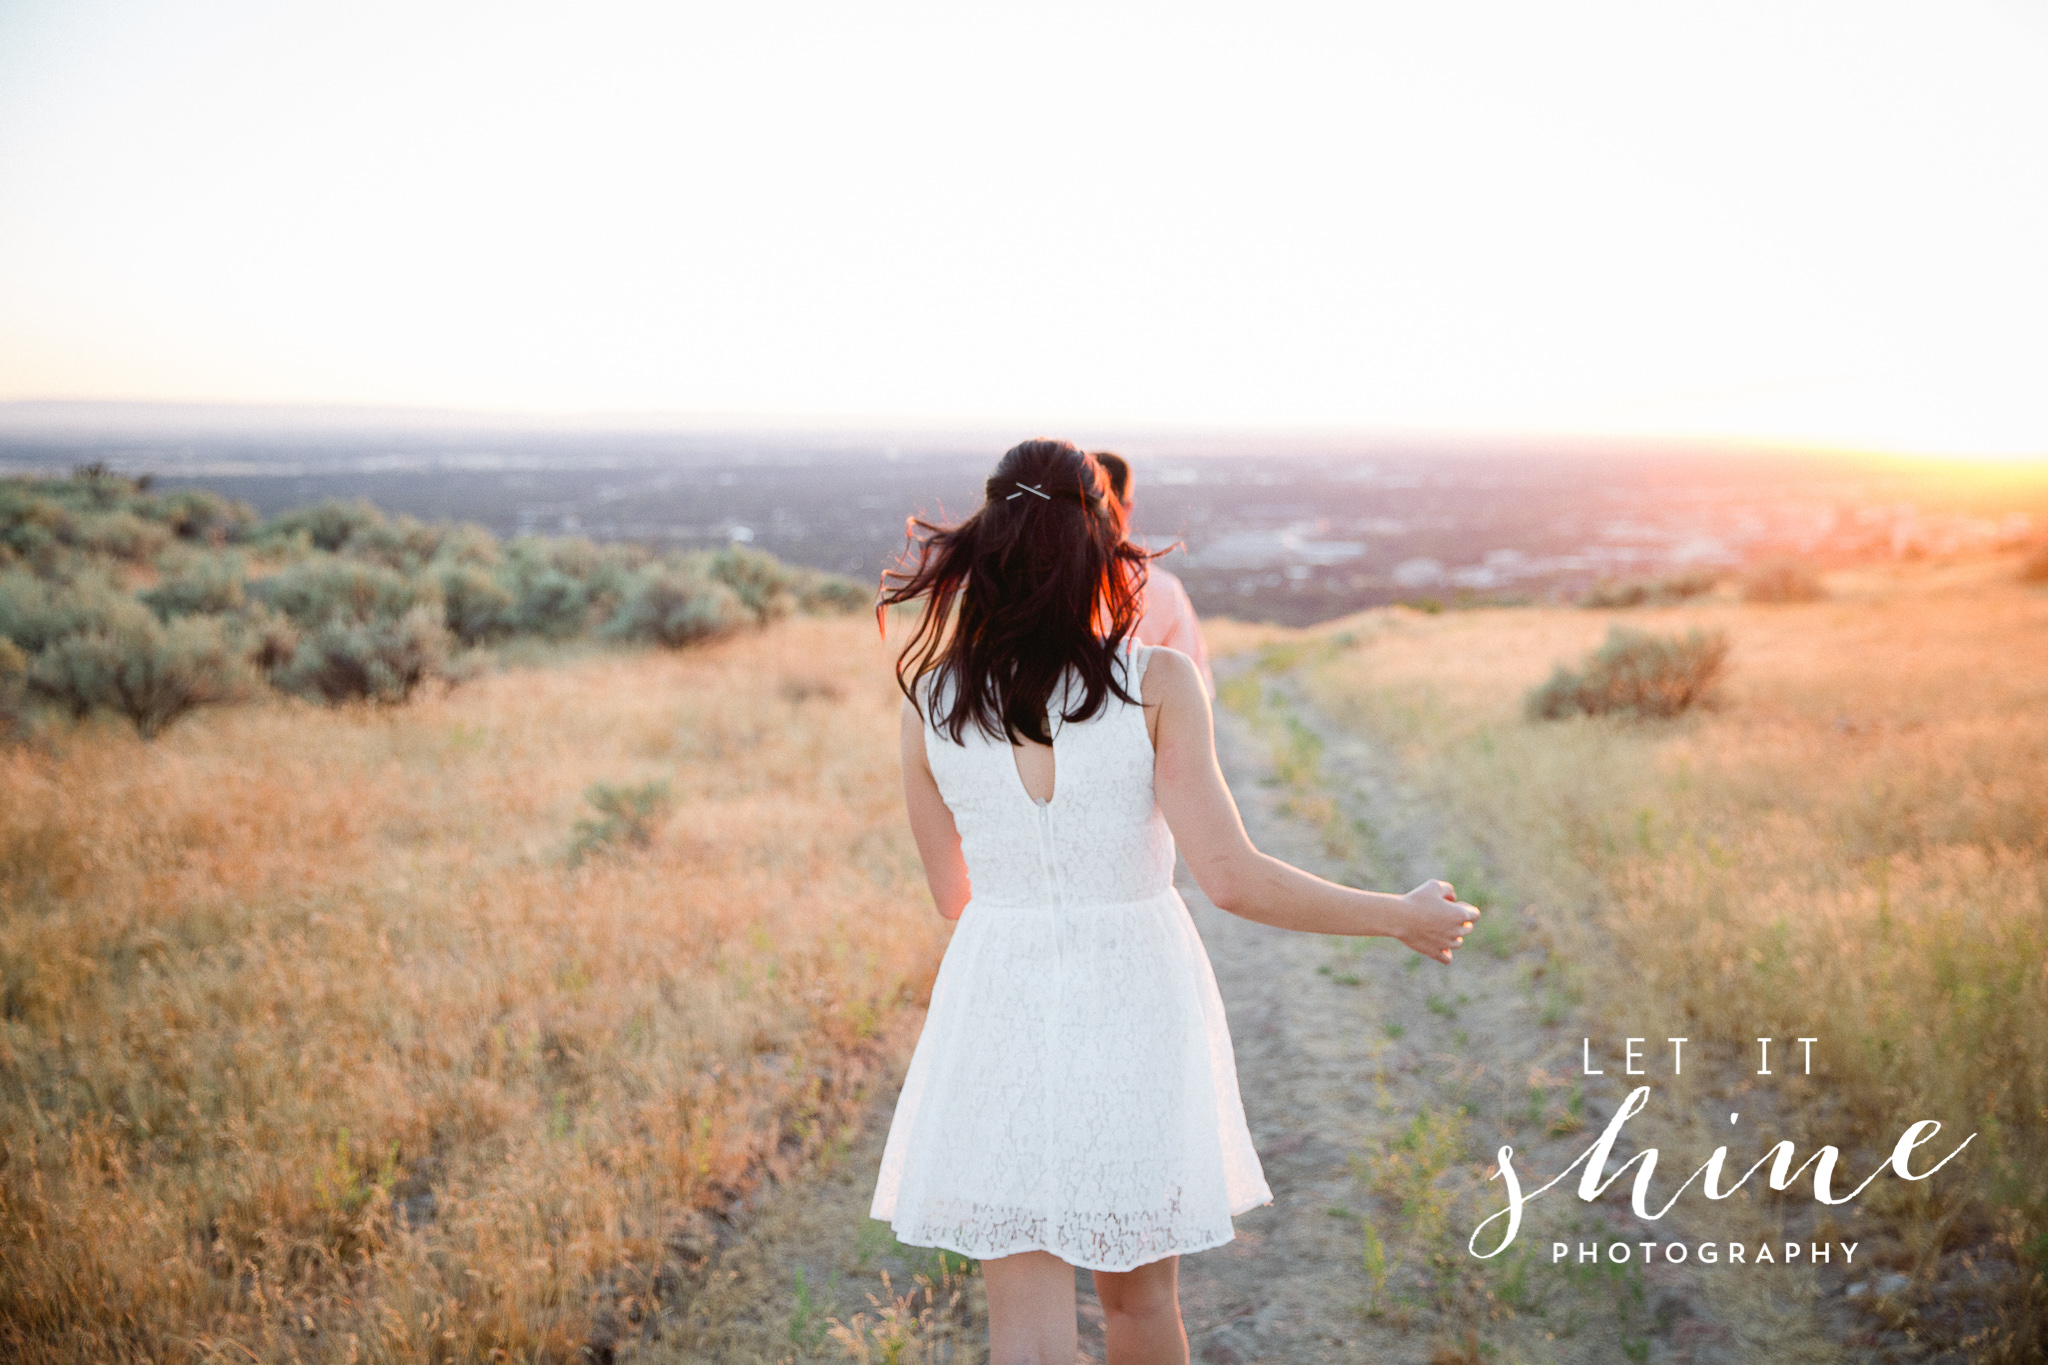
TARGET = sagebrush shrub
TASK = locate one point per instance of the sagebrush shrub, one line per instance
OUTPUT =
(328, 525)
(826, 593)
(1782, 580)
(1650, 592)
(147, 671)
(36, 613)
(31, 525)
(548, 602)
(368, 605)
(677, 604)
(476, 605)
(121, 535)
(329, 589)
(265, 636)
(564, 587)
(199, 585)
(766, 585)
(402, 543)
(381, 659)
(469, 544)
(1634, 673)
(198, 514)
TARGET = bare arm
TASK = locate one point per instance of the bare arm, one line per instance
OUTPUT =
(931, 822)
(1203, 817)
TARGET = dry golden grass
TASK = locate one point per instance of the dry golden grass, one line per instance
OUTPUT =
(1853, 845)
(289, 973)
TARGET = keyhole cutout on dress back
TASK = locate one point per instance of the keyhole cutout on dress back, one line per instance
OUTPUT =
(1035, 770)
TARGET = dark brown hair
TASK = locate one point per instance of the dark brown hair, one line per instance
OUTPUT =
(1119, 471)
(1038, 579)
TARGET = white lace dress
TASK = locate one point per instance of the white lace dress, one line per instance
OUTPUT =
(1073, 1090)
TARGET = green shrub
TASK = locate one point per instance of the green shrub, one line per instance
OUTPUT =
(264, 636)
(831, 594)
(549, 603)
(121, 535)
(36, 613)
(766, 586)
(106, 513)
(330, 589)
(617, 569)
(466, 543)
(144, 670)
(476, 605)
(1782, 580)
(677, 604)
(95, 486)
(401, 543)
(576, 556)
(328, 525)
(379, 659)
(199, 585)
(1650, 592)
(626, 817)
(1634, 673)
(562, 587)
(32, 527)
(198, 514)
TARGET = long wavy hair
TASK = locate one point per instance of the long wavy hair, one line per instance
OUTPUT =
(1039, 579)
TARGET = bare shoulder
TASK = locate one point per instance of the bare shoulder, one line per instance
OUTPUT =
(911, 732)
(1170, 676)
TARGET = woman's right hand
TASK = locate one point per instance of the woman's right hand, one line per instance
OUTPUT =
(1438, 921)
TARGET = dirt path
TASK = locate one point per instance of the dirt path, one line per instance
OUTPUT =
(1379, 1084)
(1376, 1085)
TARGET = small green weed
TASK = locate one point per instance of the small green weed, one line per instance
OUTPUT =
(345, 1186)
(806, 1323)
(626, 817)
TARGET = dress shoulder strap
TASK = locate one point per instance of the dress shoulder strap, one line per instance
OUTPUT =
(1136, 656)
(927, 688)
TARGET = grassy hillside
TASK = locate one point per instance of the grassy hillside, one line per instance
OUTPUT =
(315, 1043)
(1848, 842)
(455, 1030)
(334, 1029)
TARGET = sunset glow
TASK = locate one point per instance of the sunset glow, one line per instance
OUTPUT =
(1810, 224)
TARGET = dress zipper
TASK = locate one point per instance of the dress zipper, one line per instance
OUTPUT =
(1055, 1064)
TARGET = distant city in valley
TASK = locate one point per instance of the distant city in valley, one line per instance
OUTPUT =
(1290, 529)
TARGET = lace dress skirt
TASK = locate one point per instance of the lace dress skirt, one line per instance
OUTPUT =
(1073, 1091)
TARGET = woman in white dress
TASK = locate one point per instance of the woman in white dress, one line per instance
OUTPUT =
(1073, 1099)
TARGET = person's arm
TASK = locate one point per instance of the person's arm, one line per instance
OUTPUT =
(1252, 885)
(931, 822)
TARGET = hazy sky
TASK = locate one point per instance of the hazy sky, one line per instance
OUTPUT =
(1820, 223)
